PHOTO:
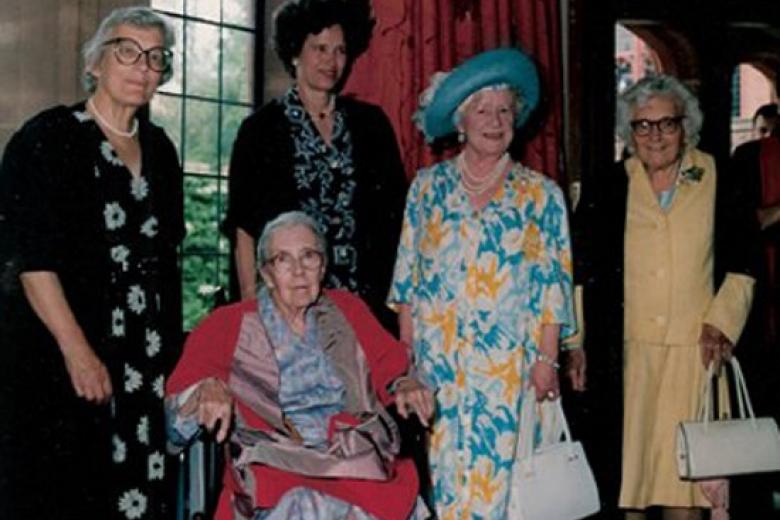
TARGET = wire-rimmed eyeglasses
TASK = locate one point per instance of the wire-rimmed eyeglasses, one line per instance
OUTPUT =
(129, 51)
(309, 259)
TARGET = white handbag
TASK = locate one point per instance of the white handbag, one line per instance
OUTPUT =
(554, 480)
(708, 449)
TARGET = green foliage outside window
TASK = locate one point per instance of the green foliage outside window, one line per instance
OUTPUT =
(201, 110)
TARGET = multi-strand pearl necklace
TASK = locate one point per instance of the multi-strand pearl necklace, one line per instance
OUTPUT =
(131, 133)
(478, 187)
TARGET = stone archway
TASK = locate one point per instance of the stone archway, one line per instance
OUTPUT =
(675, 52)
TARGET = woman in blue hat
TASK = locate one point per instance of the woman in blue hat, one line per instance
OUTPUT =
(482, 281)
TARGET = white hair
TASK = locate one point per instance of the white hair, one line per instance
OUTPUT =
(660, 86)
(137, 16)
(457, 117)
(285, 221)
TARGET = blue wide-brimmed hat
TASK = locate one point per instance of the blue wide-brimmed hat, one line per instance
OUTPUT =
(495, 67)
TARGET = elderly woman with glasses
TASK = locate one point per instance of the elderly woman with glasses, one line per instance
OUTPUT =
(296, 381)
(90, 220)
(663, 250)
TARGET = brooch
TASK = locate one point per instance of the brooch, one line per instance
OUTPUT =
(692, 174)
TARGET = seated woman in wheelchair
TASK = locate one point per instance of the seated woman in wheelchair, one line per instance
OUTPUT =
(296, 382)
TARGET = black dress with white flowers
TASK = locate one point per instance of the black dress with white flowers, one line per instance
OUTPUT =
(70, 206)
(138, 435)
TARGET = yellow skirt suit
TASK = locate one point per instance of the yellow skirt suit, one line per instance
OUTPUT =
(668, 295)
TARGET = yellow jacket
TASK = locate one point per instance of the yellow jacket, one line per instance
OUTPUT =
(669, 260)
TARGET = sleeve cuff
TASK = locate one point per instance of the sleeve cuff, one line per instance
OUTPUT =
(730, 307)
(576, 340)
(180, 429)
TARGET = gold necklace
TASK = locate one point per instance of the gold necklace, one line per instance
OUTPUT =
(478, 187)
(109, 126)
(326, 111)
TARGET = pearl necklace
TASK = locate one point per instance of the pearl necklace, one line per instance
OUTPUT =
(109, 126)
(478, 187)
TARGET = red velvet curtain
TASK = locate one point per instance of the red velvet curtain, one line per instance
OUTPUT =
(415, 38)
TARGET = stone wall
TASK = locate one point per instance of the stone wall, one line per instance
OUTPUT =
(40, 54)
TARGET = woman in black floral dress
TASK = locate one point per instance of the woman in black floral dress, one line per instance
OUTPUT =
(90, 221)
(331, 156)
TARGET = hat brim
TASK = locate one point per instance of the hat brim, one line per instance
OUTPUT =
(498, 66)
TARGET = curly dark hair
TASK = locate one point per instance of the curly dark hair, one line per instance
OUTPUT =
(295, 20)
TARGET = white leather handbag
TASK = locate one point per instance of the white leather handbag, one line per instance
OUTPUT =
(554, 480)
(708, 448)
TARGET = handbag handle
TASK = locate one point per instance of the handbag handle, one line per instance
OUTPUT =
(743, 398)
(528, 414)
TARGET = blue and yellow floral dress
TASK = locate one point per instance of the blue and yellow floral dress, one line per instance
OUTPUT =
(481, 284)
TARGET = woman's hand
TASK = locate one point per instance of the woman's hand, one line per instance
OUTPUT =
(413, 396)
(715, 346)
(544, 379)
(88, 374)
(213, 405)
(576, 365)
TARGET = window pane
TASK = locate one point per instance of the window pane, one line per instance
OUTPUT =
(201, 145)
(232, 116)
(166, 112)
(199, 278)
(202, 63)
(174, 6)
(201, 109)
(276, 78)
(208, 9)
(239, 12)
(223, 273)
(224, 243)
(237, 65)
(200, 215)
(175, 83)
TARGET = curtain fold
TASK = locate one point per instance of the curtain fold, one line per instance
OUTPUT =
(415, 38)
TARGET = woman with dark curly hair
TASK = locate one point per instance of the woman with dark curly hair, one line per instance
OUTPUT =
(330, 156)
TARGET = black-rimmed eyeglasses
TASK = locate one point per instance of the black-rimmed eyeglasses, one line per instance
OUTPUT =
(665, 125)
(129, 51)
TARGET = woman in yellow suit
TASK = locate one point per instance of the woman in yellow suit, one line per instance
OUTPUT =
(666, 245)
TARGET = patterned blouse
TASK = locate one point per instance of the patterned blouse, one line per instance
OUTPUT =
(325, 180)
(481, 284)
(310, 391)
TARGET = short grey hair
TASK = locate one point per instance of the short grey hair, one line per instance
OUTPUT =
(457, 117)
(662, 86)
(137, 16)
(285, 221)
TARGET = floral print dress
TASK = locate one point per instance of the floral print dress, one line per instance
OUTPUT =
(325, 179)
(134, 340)
(481, 284)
